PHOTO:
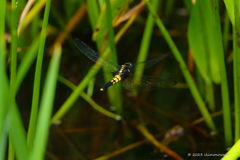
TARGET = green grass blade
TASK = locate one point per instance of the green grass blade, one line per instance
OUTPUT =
(37, 78)
(186, 73)
(196, 38)
(14, 24)
(46, 106)
(234, 152)
(224, 81)
(209, 26)
(226, 30)
(14, 36)
(3, 84)
(236, 67)
(110, 28)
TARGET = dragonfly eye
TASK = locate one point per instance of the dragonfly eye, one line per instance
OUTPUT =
(128, 64)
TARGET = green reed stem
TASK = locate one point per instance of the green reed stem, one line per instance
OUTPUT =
(236, 67)
(226, 29)
(3, 83)
(224, 82)
(14, 25)
(37, 78)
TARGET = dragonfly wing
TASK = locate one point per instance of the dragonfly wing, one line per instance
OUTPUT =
(151, 62)
(147, 83)
(99, 77)
(93, 55)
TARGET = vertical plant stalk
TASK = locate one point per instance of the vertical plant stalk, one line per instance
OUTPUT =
(236, 67)
(226, 30)
(14, 36)
(3, 82)
(14, 22)
(37, 78)
(186, 73)
(224, 83)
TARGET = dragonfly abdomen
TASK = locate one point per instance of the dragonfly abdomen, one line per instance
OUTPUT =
(117, 78)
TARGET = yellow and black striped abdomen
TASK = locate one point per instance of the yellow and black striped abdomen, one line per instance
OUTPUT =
(117, 78)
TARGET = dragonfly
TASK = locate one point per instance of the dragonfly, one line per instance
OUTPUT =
(124, 73)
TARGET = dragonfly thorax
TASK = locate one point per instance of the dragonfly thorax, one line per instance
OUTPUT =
(124, 70)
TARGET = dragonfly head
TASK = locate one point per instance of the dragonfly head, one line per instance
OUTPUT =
(128, 66)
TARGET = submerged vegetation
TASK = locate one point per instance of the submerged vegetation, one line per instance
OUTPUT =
(49, 110)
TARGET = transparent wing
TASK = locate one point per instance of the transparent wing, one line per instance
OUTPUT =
(147, 83)
(151, 62)
(99, 77)
(93, 55)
